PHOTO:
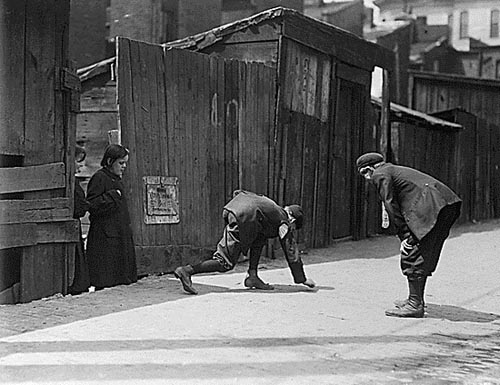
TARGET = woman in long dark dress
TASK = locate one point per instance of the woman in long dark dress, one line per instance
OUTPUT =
(110, 246)
(81, 281)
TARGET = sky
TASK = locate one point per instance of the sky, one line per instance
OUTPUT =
(367, 2)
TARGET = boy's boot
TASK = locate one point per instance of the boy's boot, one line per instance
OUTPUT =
(184, 273)
(414, 308)
(253, 281)
(401, 302)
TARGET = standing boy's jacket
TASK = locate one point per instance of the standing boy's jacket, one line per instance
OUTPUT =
(412, 199)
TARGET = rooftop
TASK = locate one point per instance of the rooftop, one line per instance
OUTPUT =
(403, 112)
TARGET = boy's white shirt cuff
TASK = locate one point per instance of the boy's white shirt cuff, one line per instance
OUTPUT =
(283, 230)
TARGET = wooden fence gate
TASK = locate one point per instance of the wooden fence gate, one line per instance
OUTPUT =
(38, 97)
(197, 127)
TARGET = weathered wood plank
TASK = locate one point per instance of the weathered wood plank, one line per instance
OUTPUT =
(174, 135)
(263, 51)
(338, 43)
(163, 233)
(42, 271)
(244, 131)
(30, 234)
(12, 28)
(189, 170)
(232, 105)
(36, 210)
(32, 178)
(164, 259)
(204, 146)
(269, 111)
(41, 138)
(127, 123)
(146, 128)
(215, 171)
(341, 210)
(353, 74)
(309, 174)
(267, 31)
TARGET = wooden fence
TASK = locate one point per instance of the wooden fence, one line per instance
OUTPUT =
(474, 103)
(38, 95)
(203, 131)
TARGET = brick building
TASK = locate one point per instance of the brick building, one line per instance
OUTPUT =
(159, 21)
(348, 15)
(476, 19)
(88, 31)
(233, 10)
(95, 23)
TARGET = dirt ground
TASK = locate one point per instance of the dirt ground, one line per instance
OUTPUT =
(152, 332)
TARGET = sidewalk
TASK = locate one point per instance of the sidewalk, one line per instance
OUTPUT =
(151, 332)
(58, 309)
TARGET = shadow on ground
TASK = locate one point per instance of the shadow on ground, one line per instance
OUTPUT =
(150, 290)
(459, 314)
(463, 355)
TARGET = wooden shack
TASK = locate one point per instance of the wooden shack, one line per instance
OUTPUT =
(38, 98)
(277, 103)
(323, 81)
(474, 103)
(477, 165)
(437, 145)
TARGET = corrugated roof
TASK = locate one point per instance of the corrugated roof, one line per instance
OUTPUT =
(438, 76)
(95, 69)
(202, 40)
(417, 49)
(402, 111)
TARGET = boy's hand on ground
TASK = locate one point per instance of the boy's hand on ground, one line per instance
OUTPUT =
(309, 283)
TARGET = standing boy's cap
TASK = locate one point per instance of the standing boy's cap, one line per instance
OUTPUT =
(369, 159)
(298, 214)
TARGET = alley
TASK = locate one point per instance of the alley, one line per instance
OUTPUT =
(153, 333)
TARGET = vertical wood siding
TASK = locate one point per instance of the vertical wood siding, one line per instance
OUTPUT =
(475, 151)
(324, 125)
(39, 127)
(205, 120)
(220, 133)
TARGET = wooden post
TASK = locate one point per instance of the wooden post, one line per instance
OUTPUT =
(411, 83)
(385, 136)
(397, 73)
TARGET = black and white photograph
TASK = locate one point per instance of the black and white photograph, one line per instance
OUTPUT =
(249, 192)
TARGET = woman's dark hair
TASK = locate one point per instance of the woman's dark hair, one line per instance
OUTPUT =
(80, 153)
(112, 153)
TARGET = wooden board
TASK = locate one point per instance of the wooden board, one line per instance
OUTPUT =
(32, 178)
(30, 234)
(475, 155)
(40, 115)
(36, 210)
(12, 80)
(200, 119)
(340, 44)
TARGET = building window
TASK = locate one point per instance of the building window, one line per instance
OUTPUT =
(495, 16)
(497, 74)
(464, 25)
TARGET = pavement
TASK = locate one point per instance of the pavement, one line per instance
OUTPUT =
(151, 332)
